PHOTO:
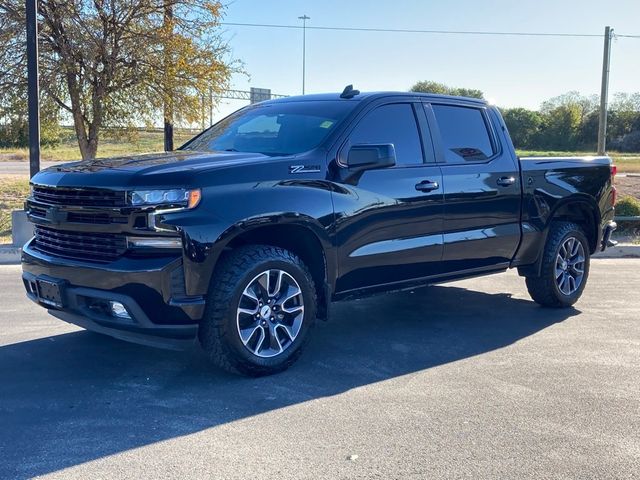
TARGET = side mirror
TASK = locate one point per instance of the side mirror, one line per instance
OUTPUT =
(368, 157)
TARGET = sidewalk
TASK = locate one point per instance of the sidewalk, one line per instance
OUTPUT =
(9, 254)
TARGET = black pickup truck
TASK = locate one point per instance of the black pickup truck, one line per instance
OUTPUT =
(243, 236)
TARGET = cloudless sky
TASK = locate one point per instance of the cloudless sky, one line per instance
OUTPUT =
(511, 71)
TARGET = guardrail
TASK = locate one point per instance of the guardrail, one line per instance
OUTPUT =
(622, 218)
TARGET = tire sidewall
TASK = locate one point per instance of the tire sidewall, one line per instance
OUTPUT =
(283, 359)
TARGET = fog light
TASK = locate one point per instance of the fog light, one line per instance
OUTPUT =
(119, 310)
(154, 242)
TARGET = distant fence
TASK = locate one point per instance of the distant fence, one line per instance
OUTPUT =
(627, 219)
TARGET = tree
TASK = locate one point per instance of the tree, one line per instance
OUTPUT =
(13, 93)
(583, 105)
(14, 127)
(427, 86)
(523, 125)
(119, 62)
(624, 115)
(564, 117)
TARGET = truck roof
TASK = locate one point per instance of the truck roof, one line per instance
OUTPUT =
(370, 96)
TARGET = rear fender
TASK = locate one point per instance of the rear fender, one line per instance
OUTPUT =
(578, 208)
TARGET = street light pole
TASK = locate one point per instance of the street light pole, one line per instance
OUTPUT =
(33, 88)
(168, 101)
(304, 19)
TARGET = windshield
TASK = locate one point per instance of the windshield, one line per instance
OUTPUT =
(283, 128)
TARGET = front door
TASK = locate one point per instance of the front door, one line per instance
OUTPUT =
(389, 221)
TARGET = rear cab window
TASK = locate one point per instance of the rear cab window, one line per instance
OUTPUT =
(465, 133)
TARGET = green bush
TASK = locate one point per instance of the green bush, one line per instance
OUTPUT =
(628, 143)
(16, 133)
(628, 206)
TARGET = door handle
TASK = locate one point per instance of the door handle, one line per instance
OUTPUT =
(506, 181)
(427, 186)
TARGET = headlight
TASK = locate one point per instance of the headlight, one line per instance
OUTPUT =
(175, 196)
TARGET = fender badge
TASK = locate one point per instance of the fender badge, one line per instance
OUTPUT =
(304, 168)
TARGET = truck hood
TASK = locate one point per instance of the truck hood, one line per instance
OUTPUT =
(179, 168)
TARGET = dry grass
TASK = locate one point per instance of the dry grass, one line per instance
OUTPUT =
(13, 192)
(109, 146)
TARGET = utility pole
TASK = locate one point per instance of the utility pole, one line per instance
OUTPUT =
(304, 19)
(33, 87)
(604, 91)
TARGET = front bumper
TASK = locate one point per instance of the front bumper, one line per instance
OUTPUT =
(606, 236)
(152, 289)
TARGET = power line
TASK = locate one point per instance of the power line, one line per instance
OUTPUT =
(405, 30)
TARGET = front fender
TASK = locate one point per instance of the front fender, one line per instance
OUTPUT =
(231, 210)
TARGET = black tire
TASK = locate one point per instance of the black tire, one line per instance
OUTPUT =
(544, 289)
(219, 332)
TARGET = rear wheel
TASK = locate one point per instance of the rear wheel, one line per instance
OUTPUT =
(565, 267)
(260, 309)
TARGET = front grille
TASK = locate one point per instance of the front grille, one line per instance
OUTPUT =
(38, 212)
(99, 218)
(80, 217)
(95, 247)
(85, 197)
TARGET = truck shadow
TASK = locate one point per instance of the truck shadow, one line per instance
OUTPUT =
(77, 397)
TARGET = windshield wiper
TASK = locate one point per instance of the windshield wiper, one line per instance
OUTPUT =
(268, 154)
(276, 154)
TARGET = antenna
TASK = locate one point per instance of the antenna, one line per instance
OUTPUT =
(349, 92)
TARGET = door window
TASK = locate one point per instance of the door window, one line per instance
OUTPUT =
(393, 123)
(464, 134)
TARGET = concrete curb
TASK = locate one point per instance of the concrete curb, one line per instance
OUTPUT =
(9, 255)
(622, 250)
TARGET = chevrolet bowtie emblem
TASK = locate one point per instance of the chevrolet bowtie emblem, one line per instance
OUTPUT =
(55, 215)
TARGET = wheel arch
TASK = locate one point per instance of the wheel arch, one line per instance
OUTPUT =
(302, 239)
(579, 209)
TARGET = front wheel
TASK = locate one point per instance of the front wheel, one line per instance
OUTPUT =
(565, 267)
(260, 309)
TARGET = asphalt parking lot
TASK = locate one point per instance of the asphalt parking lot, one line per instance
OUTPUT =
(465, 380)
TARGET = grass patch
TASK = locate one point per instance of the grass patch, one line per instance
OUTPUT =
(13, 192)
(626, 162)
(111, 145)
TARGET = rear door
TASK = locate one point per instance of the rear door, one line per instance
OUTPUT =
(482, 192)
(389, 221)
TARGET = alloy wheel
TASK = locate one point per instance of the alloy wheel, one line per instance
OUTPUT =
(569, 268)
(270, 313)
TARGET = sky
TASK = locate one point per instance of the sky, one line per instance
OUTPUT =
(511, 71)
